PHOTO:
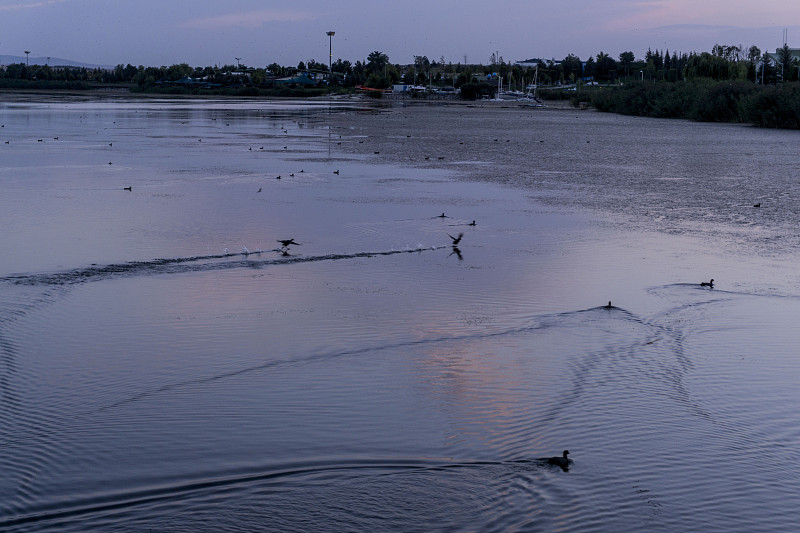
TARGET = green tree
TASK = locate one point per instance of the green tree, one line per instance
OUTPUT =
(590, 68)
(729, 52)
(767, 73)
(316, 65)
(377, 61)
(177, 72)
(715, 67)
(606, 67)
(786, 63)
(626, 59)
(571, 68)
(753, 58)
(276, 70)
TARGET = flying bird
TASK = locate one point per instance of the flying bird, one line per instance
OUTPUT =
(286, 242)
(456, 240)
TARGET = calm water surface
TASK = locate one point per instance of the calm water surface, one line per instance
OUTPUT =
(165, 366)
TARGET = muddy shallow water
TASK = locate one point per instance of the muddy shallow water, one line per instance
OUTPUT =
(165, 365)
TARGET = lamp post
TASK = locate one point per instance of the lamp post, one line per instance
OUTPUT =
(238, 65)
(330, 35)
(27, 55)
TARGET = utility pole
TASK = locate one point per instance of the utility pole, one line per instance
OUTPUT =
(330, 35)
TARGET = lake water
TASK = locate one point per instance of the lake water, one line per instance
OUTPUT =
(166, 366)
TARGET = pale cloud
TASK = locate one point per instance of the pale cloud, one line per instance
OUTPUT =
(249, 19)
(16, 6)
(651, 13)
(664, 13)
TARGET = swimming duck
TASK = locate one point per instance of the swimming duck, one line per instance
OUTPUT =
(708, 283)
(563, 462)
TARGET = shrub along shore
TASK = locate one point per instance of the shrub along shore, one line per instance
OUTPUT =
(703, 100)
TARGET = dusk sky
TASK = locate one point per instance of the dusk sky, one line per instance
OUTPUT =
(209, 32)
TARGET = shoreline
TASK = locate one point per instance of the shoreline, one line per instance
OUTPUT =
(393, 100)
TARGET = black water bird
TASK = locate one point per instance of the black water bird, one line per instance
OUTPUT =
(472, 223)
(277, 177)
(563, 462)
(442, 216)
(456, 240)
(336, 172)
(259, 189)
(127, 188)
(287, 242)
(757, 205)
(609, 306)
(708, 283)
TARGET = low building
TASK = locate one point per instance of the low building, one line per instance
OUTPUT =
(775, 58)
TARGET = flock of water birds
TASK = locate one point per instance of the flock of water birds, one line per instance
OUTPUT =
(561, 461)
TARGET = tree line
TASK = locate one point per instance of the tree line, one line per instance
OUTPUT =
(647, 86)
(723, 62)
(725, 85)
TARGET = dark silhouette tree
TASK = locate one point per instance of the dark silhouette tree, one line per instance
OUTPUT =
(786, 63)
(377, 61)
(626, 59)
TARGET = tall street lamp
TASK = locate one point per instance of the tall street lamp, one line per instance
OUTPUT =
(27, 55)
(330, 54)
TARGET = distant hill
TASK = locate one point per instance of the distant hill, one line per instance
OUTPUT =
(52, 61)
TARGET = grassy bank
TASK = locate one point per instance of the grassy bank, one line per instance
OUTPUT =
(702, 100)
(44, 85)
(60, 85)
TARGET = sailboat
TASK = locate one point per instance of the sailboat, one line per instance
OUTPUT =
(530, 96)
